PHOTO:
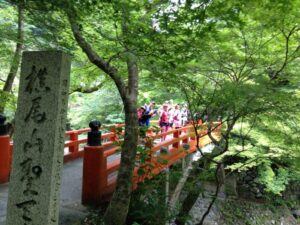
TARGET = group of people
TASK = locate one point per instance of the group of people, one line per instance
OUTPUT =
(170, 115)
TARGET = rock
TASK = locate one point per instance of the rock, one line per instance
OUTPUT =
(296, 213)
(259, 195)
(239, 212)
(222, 195)
(230, 186)
(247, 179)
(256, 190)
(246, 185)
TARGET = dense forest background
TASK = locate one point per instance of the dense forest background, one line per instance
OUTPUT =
(234, 60)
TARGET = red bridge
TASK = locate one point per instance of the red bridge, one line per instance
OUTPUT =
(101, 163)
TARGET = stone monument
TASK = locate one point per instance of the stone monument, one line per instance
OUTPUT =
(39, 139)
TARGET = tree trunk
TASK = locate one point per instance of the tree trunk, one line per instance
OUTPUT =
(17, 55)
(117, 210)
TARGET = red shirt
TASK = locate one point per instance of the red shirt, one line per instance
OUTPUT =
(164, 118)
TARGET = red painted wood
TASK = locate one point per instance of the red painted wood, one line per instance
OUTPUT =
(5, 158)
(94, 175)
(74, 138)
(176, 135)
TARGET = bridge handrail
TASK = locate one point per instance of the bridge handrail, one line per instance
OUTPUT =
(98, 169)
(102, 167)
(74, 147)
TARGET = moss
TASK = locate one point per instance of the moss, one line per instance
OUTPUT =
(240, 212)
(208, 175)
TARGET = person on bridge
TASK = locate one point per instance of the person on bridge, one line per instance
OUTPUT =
(176, 117)
(184, 115)
(140, 114)
(170, 114)
(143, 116)
(164, 120)
(150, 111)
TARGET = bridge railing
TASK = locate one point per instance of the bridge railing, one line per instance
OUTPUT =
(182, 143)
(101, 163)
(77, 139)
(73, 148)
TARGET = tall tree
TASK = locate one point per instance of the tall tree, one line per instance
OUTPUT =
(17, 54)
(127, 85)
(117, 211)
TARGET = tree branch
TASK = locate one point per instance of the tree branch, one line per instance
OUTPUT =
(218, 185)
(86, 90)
(96, 59)
(285, 62)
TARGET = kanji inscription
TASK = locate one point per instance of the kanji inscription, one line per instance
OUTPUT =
(37, 80)
(35, 113)
(39, 139)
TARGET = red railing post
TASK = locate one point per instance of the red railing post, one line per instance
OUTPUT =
(176, 135)
(114, 137)
(4, 158)
(5, 153)
(186, 140)
(94, 178)
(74, 147)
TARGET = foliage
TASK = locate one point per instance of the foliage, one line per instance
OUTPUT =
(273, 183)
(234, 60)
(11, 103)
(148, 203)
(233, 83)
(99, 105)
